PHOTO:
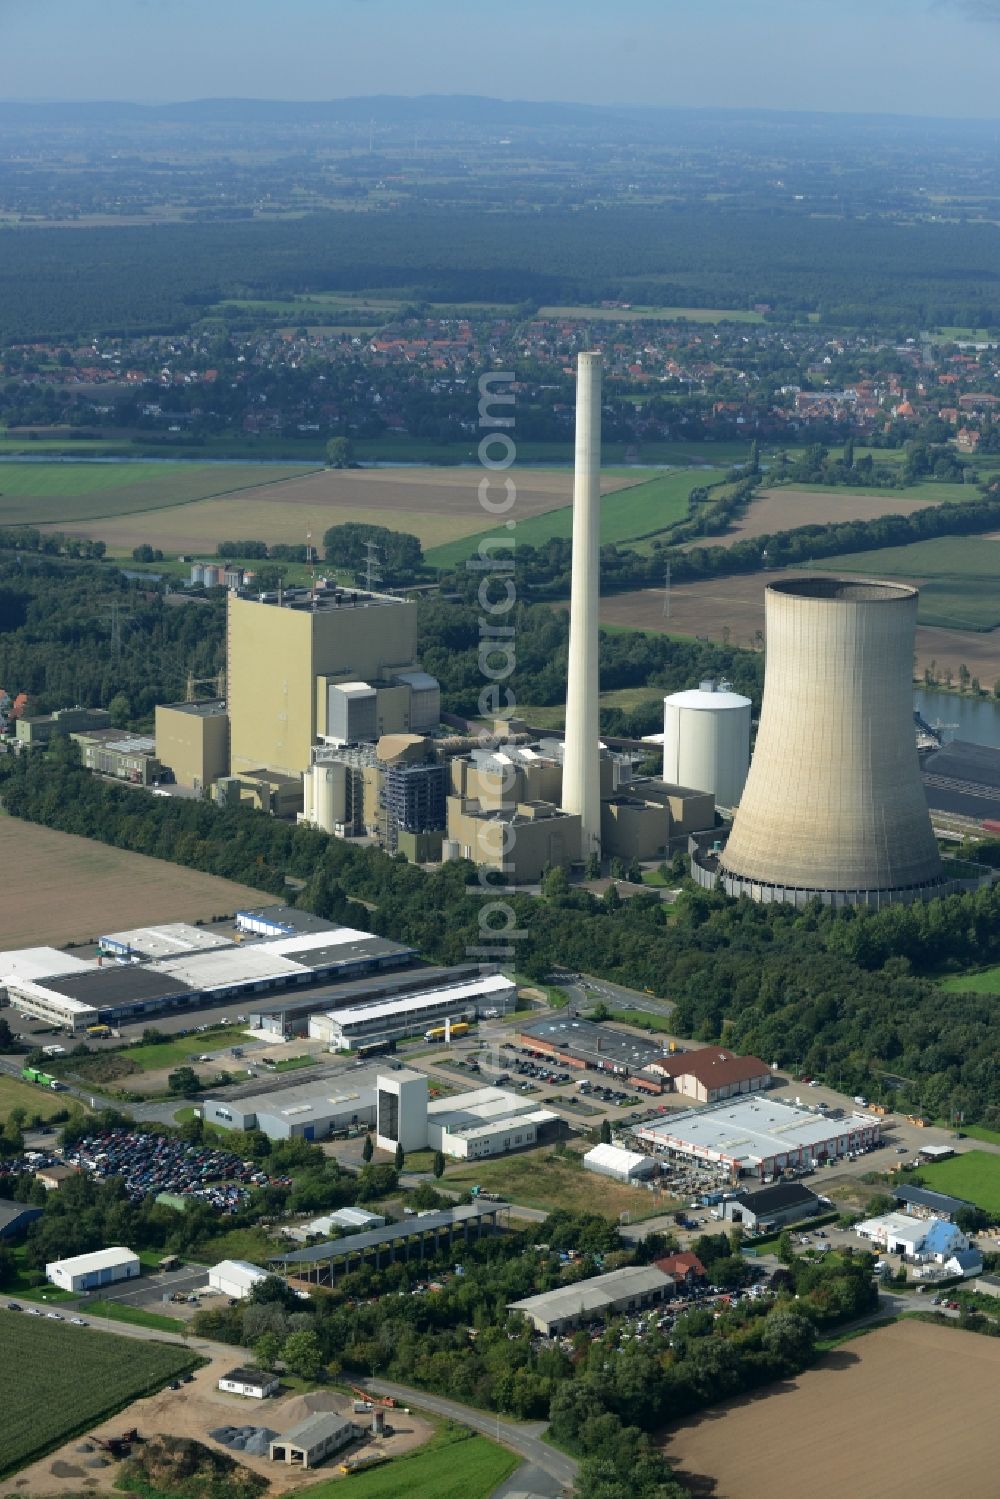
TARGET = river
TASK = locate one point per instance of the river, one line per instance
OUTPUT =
(976, 720)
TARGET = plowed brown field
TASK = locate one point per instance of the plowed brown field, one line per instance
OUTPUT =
(435, 504)
(732, 609)
(784, 509)
(907, 1412)
(58, 888)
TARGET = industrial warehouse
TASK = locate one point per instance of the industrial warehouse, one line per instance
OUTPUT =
(632, 1289)
(426, 1234)
(759, 1137)
(708, 1074)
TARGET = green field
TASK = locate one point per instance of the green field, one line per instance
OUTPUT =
(975, 1175)
(29, 1096)
(986, 982)
(959, 577)
(553, 715)
(642, 1020)
(57, 1381)
(652, 314)
(644, 509)
(150, 1056)
(61, 493)
(238, 1244)
(119, 1311)
(455, 1464)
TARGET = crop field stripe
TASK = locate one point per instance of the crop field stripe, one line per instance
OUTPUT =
(57, 1381)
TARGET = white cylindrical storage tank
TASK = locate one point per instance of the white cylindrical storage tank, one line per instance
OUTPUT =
(706, 741)
(329, 796)
(834, 805)
(197, 572)
(308, 797)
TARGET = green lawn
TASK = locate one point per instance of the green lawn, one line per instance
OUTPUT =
(238, 1244)
(57, 1380)
(136, 1315)
(644, 508)
(980, 1132)
(543, 1179)
(34, 493)
(151, 1056)
(19, 1285)
(628, 699)
(643, 1020)
(454, 1464)
(292, 1064)
(29, 1096)
(986, 982)
(974, 1175)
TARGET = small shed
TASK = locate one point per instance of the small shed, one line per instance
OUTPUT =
(313, 1440)
(772, 1207)
(256, 1384)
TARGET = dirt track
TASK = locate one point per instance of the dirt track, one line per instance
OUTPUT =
(732, 609)
(902, 1413)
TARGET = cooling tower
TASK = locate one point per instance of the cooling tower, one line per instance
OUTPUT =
(581, 789)
(834, 805)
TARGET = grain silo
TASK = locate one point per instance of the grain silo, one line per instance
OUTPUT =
(706, 741)
(834, 805)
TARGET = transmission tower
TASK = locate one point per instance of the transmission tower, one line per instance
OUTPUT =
(373, 565)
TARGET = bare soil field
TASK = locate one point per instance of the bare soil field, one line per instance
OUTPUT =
(435, 504)
(905, 1411)
(732, 609)
(69, 889)
(784, 509)
(193, 1411)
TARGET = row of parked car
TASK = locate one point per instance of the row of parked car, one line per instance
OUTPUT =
(149, 1164)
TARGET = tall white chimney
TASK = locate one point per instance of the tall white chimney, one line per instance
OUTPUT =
(581, 792)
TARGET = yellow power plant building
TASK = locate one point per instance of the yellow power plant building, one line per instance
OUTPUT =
(289, 659)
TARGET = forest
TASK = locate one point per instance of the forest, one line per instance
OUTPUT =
(842, 995)
(864, 272)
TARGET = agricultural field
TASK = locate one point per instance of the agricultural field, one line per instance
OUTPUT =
(455, 1464)
(958, 576)
(553, 715)
(731, 611)
(62, 494)
(56, 1380)
(653, 314)
(435, 504)
(645, 507)
(17, 1095)
(71, 889)
(783, 509)
(548, 1181)
(974, 1175)
(851, 1426)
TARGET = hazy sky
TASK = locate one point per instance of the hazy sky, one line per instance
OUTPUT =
(937, 57)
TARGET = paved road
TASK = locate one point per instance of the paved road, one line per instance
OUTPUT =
(524, 1438)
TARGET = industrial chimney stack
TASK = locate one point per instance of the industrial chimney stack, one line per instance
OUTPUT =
(581, 793)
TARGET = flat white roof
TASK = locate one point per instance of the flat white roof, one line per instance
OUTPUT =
(614, 1157)
(479, 1106)
(320, 1097)
(701, 697)
(489, 1128)
(307, 941)
(481, 988)
(98, 1259)
(172, 940)
(751, 1129)
(238, 964)
(39, 963)
(897, 1226)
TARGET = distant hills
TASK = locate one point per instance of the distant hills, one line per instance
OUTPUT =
(480, 112)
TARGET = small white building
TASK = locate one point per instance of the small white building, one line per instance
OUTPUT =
(401, 1110)
(917, 1239)
(353, 1220)
(235, 1278)
(86, 1272)
(255, 1384)
(622, 1165)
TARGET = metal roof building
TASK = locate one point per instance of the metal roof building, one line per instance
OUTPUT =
(15, 1217)
(172, 940)
(622, 1165)
(313, 1439)
(628, 1290)
(84, 1272)
(936, 1203)
(308, 1111)
(422, 1236)
(288, 1014)
(759, 1136)
(406, 1014)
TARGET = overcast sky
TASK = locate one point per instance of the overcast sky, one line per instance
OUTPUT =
(932, 57)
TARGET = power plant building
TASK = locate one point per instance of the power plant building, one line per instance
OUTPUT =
(833, 807)
(706, 741)
(193, 740)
